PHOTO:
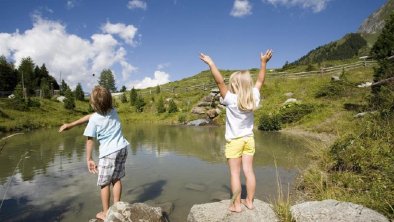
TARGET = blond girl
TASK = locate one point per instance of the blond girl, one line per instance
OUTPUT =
(241, 99)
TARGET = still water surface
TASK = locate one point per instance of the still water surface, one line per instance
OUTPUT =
(43, 174)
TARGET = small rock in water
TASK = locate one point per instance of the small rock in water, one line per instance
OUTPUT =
(198, 122)
(220, 195)
(194, 186)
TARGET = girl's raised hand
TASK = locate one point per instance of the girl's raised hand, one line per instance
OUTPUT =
(266, 57)
(206, 59)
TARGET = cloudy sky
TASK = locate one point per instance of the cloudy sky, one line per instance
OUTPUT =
(151, 42)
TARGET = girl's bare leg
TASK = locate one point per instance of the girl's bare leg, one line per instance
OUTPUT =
(105, 196)
(247, 166)
(235, 170)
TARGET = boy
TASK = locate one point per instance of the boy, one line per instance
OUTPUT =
(104, 125)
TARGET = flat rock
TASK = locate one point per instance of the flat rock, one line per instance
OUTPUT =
(218, 212)
(122, 211)
(198, 122)
(196, 187)
(332, 210)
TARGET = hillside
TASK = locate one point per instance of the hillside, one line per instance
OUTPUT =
(373, 25)
(351, 45)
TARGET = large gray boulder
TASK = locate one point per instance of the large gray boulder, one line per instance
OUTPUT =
(122, 211)
(218, 211)
(332, 210)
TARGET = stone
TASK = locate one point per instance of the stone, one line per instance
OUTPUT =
(335, 78)
(122, 211)
(220, 195)
(196, 187)
(198, 122)
(208, 98)
(359, 115)
(204, 104)
(218, 212)
(198, 110)
(220, 106)
(212, 113)
(61, 99)
(290, 100)
(364, 85)
(332, 210)
(166, 207)
(215, 90)
(289, 94)
(12, 96)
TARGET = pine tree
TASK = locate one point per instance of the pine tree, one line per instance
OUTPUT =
(45, 91)
(123, 89)
(133, 96)
(69, 101)
(382, 95)
(157, 89)
(139, 104)
(160, 106)
(63, 88)
(123, 98)
(79, 95)
(172, 108)
(107, 80)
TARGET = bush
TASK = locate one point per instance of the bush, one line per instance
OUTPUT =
(182, 118)
(332, 89)
(292, 112)
(69, 101)
(269, 123)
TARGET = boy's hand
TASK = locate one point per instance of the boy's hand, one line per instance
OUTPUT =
(92, 167)
(266, 57)
(64, 127)
(206, 59)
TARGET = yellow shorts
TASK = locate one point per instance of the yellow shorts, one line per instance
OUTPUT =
(235, 148)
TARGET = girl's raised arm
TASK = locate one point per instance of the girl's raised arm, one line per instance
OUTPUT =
(216, 74)
(264, 58)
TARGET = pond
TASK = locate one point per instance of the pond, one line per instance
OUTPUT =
(43, 174)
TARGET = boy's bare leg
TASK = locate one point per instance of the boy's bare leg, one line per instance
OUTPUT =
(247, 165)
(117, 190)
(235, 170)
(105, 196)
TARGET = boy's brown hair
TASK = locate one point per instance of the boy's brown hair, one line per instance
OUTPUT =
(101, 100)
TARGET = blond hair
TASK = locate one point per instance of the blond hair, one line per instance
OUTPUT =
(101, 100)
(241, 84)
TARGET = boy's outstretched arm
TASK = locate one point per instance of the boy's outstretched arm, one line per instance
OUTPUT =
(68, 126)
(216, 74)
(264, 58)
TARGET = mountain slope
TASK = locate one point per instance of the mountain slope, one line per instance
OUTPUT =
(353, 44)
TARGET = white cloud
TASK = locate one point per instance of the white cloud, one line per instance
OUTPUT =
(163, 65)
(137, 4)
(315, 5)
(65, 54)
(160, 78)
(241, 8)
(126, 32)
(70, 4)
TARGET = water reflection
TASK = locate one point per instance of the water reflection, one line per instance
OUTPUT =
(51, 181)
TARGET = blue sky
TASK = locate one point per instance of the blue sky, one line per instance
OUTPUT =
(150, 42)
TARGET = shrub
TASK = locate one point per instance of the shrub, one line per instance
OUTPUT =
(332, 89)
(182, 118)
(269, 123)
(292, 112)
(160, 106)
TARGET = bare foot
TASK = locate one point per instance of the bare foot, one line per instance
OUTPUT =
(248, 204)
(235, 208)
(100, 215)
